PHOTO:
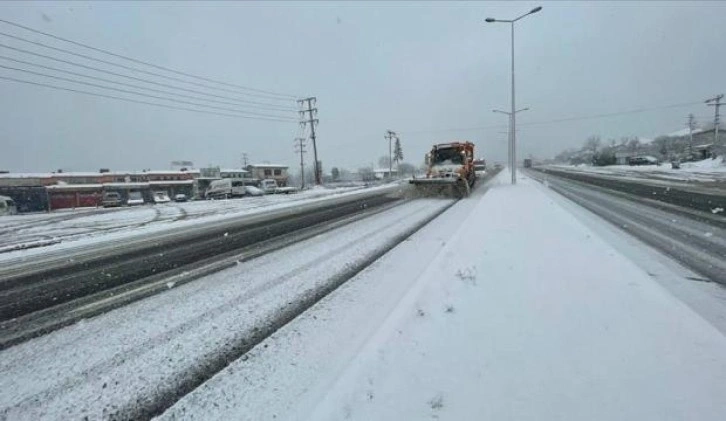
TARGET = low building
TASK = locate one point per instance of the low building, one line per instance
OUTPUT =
(269, 171)
(234, 173)
(48, 191)
(384, 173)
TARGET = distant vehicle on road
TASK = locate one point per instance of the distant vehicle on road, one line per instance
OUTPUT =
(111, 199)
(161, 197)
(527, 163)
(7, 206)
(643, 160)
(180, 198)
(135, 198)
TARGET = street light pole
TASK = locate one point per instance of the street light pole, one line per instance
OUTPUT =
(512, 160)
(512, 115)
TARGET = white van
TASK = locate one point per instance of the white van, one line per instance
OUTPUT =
(7, 206)
(226, 188)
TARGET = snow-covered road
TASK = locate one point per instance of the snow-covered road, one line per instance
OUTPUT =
(709, 173)
(697, 240)
(127, 362)
(508, 307)
(19, 231)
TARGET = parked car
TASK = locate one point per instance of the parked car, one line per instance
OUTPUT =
(135, 198)
(254, 191)
(111, 199)
(161, 197)
(643, 160)
(180, 198)
(7, 206)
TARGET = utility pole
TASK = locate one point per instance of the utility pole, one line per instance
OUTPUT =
(390, 135)
(312, 112)
(715, 102)
(300, 147)
(244, 160)
(691, 125)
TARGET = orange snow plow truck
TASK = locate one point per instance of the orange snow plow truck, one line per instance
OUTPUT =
(450, 171)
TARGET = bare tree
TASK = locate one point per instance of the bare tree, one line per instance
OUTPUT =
(592, 144)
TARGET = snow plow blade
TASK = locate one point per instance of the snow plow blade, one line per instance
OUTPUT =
(444, 187)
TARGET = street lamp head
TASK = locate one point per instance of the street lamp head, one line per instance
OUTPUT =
(536, 9)
(490, 20)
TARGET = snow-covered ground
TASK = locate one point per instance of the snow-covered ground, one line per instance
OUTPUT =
(706, 171)
(508, 306)
(513, 304)
(60, 230)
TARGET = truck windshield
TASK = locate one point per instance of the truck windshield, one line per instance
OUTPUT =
(447, 156)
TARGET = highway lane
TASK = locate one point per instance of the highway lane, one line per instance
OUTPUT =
(134, 362)
(32, 287)
(707, 200)
(696, 241)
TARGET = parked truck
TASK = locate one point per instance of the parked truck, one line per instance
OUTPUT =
(269, 186)
(450, 170)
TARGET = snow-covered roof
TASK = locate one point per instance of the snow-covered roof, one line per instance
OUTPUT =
(92, 174)
(74, 186)
(25, 175)
(171, 182)
(684, 132)
(127, 185)
(268, 166)
(238, 170)
(383, 170)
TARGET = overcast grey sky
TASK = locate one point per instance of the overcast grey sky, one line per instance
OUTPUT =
(417, 68)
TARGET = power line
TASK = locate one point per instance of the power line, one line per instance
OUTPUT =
(110, 63)
(127, 84)
(560, 120)
(136, 101)
(260, 105)
(590, 117)
(126, 91)
(100, 50)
